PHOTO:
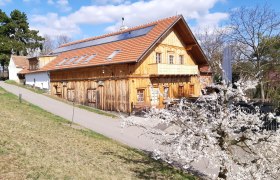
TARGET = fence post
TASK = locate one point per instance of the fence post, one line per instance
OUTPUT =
(20, 97)
(73, 112)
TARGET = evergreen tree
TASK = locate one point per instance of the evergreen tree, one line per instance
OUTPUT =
(16, 36)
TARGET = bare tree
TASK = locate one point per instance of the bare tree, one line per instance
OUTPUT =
(52, 42)
(48, 45)
(248, 27)
(212, 42)
(62, 39)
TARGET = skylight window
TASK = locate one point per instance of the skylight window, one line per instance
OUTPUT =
(71, 60)
(113, 55)
(80, 59)
(61, 62)
(89, 58)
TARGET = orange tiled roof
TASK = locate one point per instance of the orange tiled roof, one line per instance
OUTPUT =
(24, 71)
(205, 69)
(20, 61)
(131, 49)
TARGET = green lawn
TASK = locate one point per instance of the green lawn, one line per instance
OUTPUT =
(35, 144)
(36, 90)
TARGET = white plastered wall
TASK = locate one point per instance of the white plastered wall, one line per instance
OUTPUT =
(40, 80)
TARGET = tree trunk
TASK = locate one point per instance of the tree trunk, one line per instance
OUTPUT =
(262, 91)
(3, 72)
(223, 173)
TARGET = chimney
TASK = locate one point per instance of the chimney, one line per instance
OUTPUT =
(123, 27)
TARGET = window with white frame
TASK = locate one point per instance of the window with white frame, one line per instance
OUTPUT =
(181, 59)
(158, 57)
(171, 59)
(140, 95)
(166, 92)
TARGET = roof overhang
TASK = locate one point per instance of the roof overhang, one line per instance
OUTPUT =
(189, 40)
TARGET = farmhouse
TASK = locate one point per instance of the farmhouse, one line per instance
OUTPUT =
(33, 76)
(17, 64)
(135, 67)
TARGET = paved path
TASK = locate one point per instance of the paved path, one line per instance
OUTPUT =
(102, 124)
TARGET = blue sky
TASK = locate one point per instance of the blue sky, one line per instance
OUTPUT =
(85, 18)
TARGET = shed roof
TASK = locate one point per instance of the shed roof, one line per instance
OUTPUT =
(20, 61)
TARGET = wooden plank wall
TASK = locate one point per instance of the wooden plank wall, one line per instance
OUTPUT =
(112, 95)
(160, 82)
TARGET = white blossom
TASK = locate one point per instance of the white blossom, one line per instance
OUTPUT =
(215, 128)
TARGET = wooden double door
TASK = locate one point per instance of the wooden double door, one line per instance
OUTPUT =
(113, 95)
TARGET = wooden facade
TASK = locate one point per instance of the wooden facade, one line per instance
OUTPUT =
(168, 71)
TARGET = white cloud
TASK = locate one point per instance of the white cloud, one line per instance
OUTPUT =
(135, 13)
(53, 25)
(50, 2)
(212, 19)
(62, 5)
(110, 1)
(4, 2)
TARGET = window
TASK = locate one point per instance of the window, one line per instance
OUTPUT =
(191, 89)
(181, 91)
(81, 58)
(181, 59)
(158, 57)
(165, 92)
(33, 65)
(140, 95)
(57, 89)
(113, 54)
(71, 95)
(61, 62)
(171, 59)
(89, 58)
(91, 95)
(71, 60)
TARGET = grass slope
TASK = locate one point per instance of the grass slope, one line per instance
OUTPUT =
(36, 90)
(35, 144)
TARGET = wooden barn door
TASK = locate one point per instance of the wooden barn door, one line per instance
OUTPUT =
(92, 97)
(113, 96)
(110, 88)
(100, 97)
(64, 92)
(122, 96)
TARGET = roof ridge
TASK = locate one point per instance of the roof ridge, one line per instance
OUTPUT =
(119, 31)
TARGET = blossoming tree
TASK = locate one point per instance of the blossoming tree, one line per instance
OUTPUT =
(215, 127)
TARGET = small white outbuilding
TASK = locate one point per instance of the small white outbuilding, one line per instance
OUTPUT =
(34, 76)
(17, 64)
(38, 79)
